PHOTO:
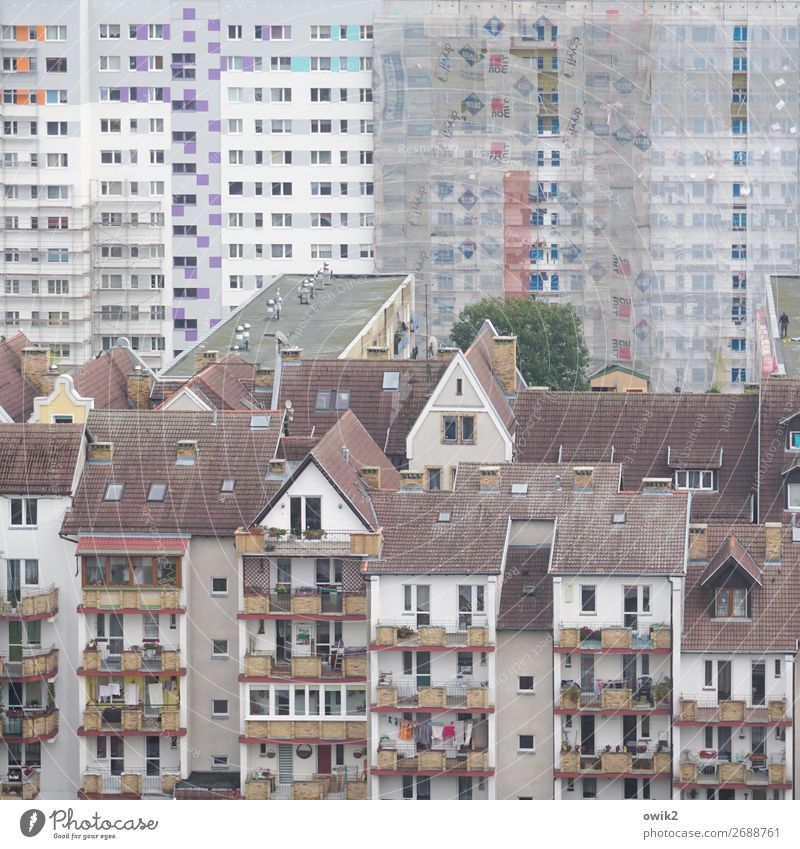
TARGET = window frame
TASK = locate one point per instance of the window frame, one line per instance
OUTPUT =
(593, 589)
(154, 567)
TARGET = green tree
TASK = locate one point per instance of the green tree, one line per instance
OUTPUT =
(551, 350)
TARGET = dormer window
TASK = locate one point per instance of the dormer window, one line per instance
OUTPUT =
(701, 480)
(794, 440)
(731, 603)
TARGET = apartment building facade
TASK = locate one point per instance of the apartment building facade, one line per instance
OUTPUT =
(156, 169)
(638, 160)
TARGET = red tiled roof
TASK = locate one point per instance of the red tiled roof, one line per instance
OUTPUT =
(479, 356)
(145, 446)
(128, 545)
(775, 606)
(228, 384)
(105, 378)
(780, 400)
(638, 429)
(16, 392)
(387, 415)
(39, 459)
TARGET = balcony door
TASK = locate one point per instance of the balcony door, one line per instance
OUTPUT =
(723, 680)
(757, 682)
(587, 673)
(153, 755)
(116, 759)
(13, 582)
(630, 607)
(417, 665)
(417, 600)
(324, 759)
(587, 734)
(471, 601)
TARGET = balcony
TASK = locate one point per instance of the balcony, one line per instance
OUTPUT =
(306, 730)
(398, 635)
(148, 659)
(31, 604)
(309, 543)
(133, 720)
(138, 600)
(344, 783)
(20, 783)
(613, 638)
(755, 771)
(131, 784)
(702, 710)
(304, 603)
(616, 698)
(613, 764)
(29, 725)
(432, 762)
(35, 664)
(323, 666)
(451, 695)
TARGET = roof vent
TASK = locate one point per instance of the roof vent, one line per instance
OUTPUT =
(584, 478)
(391, 380)
(490, 478)
(186, 454)
(371, 475)
(345, 453)
(519, 489)
(100, 452)
(529, 590)
(410, 481)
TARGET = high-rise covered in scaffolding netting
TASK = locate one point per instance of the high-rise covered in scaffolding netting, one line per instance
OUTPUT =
(635, 159)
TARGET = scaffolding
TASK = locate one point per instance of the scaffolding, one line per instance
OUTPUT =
(638, 161)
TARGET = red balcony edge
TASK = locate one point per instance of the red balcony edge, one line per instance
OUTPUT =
(406, 709)
(31, 617)
(318, 741)
(29, 679)
(82, 732)
(692, 785)
(133, 673)
(727, 723)
(401, 647)
(180, 611)
(42, 738)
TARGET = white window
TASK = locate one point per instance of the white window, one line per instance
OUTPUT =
(219, 762)
(219, 648)
(235, 281)
(109, 31)
(280, 95)
(526, 744)
(235, 126)
(321, 63)
(55, 33)
(525, 684)
(281, 219)
(588, 598)
(155, 31)
(234, 32)
(793, 496)
(219, 586)
(281, 157)
(24, 512)
(110, 63)
(281, 251)
(235, 95)
(320, 33)
(320, 157)
(321, 251)
(280, 63)
(694, 479)
(219, 708)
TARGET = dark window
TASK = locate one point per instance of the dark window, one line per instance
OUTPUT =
(450, 429)
(588, 599)
(525, 683)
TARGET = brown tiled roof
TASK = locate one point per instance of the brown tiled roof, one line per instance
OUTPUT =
(651, 540)
(731, 548)
(526, 568)
(775, 622)
(16, 392)
(105, 378)
(637, 429)
(414, 540)
(548, 483)
(39, 459)
(296, 447)
(780, 400)
(388, 415)
(145, 452)
(479, 356)
(349, 434)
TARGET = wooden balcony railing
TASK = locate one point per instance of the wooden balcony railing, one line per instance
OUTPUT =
(444, 634)
(148, 659)
(20, 783)
(155, 598)
(29, 724)
(757, 772)
(307, 729)
(34, 663)
(40, 603)
(702, 709)
(112, 718)
(610, 637)
(305, 602)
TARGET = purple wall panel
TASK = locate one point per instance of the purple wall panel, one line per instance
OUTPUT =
(191, 335)
(215, 200)
(141, 94)
(189, 37)
(190, 274)
(189, 14)
(202, 179)
(123, 95)
(141, 32)
(204, 294)
(214, 322)
(214, 126)
(249, 63)
(213, 47)
(215, 262)
(178, 312)
(167, 29)
(213, 73)
(215, 219)
(213, 25)
(190, 147)
(202, 105)
(177, 210)
(202, 241)
(141, 63)
(214, 157)
(189, 93)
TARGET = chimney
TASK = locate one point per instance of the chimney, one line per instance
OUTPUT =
(276, 468)
(446, 352)
(504, 362)
(377, 352)
(772, 544)
(100, 452)
(186, 452)
(410, 481)
(490, 478)
(657, 486)
(698, 542)
(290, 355)
(204, 358)
(36, 367)
(139, 385)
(371, 475)
(584, 478)
(264, 377)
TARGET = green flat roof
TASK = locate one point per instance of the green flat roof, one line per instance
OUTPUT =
(323, 328)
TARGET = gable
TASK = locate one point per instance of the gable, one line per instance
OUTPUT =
(64, 400)
(184, 400)
(447, 392)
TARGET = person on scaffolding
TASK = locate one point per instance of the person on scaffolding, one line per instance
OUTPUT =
(783, 324)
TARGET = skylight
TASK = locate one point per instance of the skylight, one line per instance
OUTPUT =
(259, 422)
(227, 485)
(114, 492)
(157, 492)
(519, 489)
(618, 519)
(391, 380)
(445, 516)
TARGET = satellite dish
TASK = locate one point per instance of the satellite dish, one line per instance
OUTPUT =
(288, 404)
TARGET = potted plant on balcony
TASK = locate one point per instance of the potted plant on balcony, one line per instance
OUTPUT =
(571, 696)
(314, 533)
(305, 591)
(662, 691)
(283, 588)
(276, 533)
(404, 632)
